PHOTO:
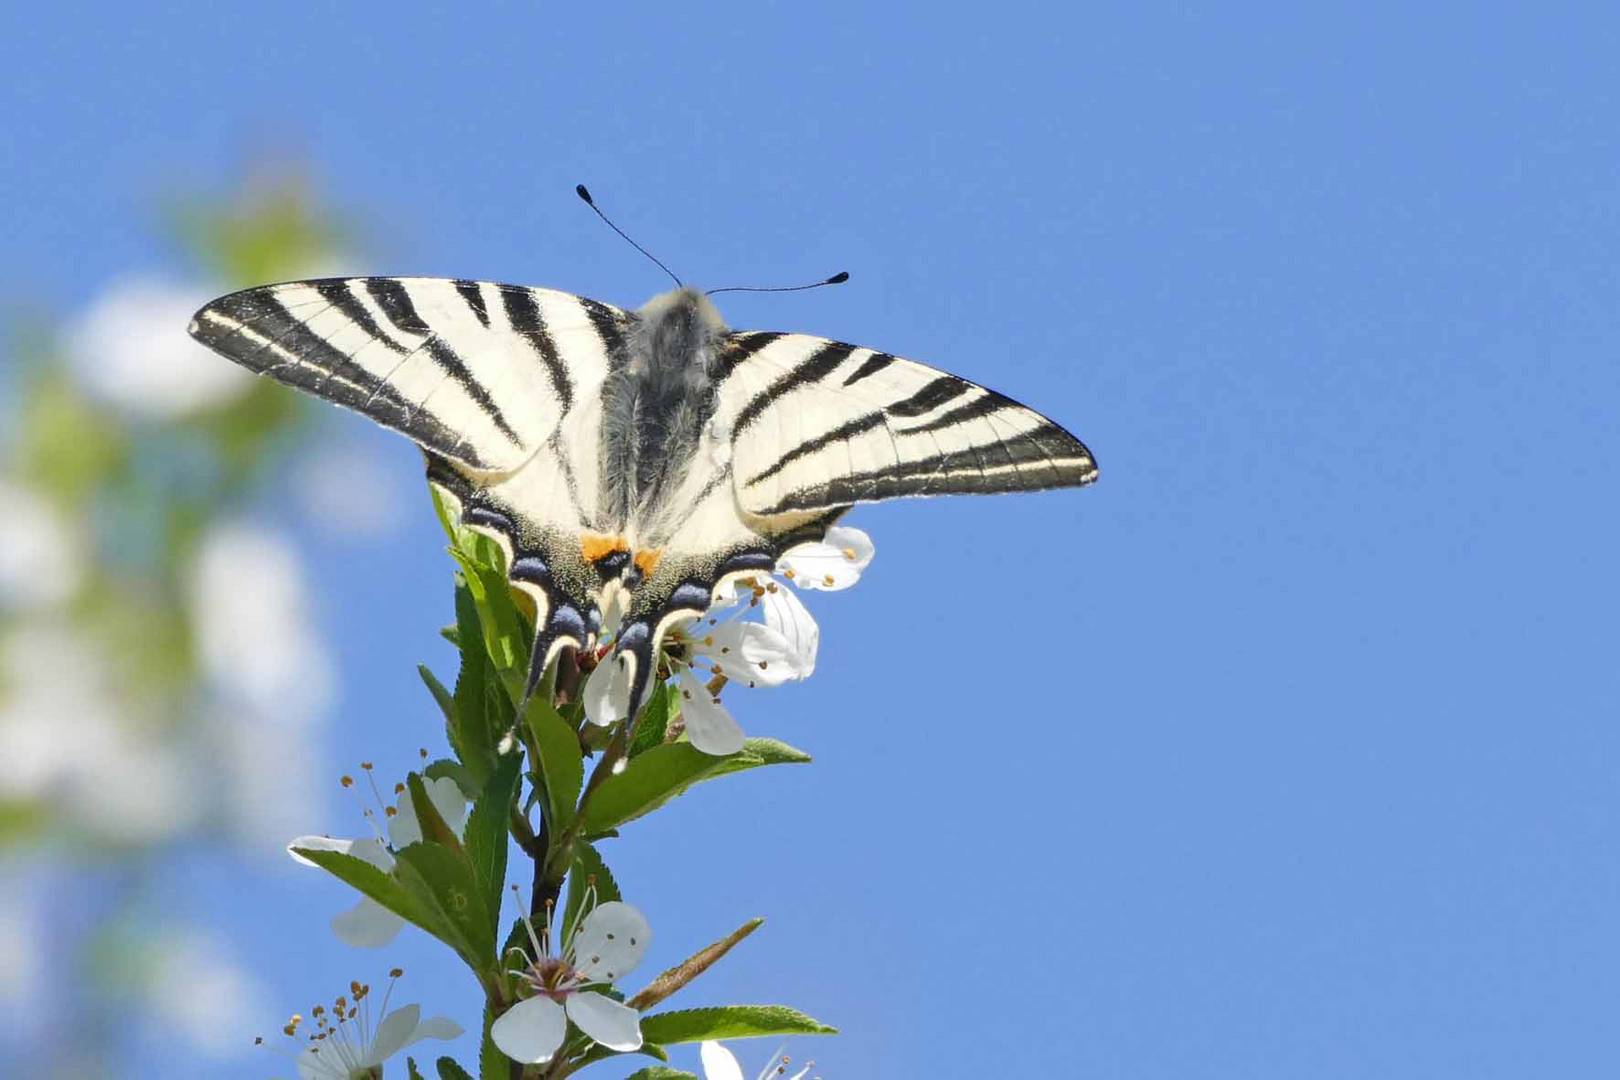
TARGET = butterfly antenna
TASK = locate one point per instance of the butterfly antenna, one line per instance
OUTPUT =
(837, 279)
(584, 193)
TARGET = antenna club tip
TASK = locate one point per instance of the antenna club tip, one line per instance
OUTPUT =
(839, 278)
(585, 193)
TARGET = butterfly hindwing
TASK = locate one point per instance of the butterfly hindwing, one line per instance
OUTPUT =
(818, 424)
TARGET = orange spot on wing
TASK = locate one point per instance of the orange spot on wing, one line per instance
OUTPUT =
(595, 546)
(647, 560)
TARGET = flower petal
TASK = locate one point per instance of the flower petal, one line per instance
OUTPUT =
(607, 692)
(752, 654)
(405, 829)
(786, 614)
(836, 562)
(718, 1062)
(367, 925)
(530, 1031)
(610, 941)
(392, 1034)
(615, 1026)
(436, 1027)
(708, 724)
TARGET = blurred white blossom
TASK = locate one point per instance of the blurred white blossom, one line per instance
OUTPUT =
(131, 350)
(721, 1064)
(268, 665)
(66, 741)
(199, 992)
(41, 556)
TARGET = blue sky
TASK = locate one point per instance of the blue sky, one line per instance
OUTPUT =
(1287, 750)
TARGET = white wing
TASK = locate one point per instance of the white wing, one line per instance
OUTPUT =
(479, 373)
(819, 424)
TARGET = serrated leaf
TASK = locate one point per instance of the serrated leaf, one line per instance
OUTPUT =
(684, 972)
(486, 835)
(449, 1070)
(471, 733)
(443, 880)
(441, 695)
(492, 1064)
(587, 864)
(382, 887)
(729, 1022)
(663, 772)
(411, 1071)
(561, 766)
(661, 1072)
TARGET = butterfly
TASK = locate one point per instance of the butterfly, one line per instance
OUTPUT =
(633, 466)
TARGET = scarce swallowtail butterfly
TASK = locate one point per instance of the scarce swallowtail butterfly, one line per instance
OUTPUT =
(632, 465)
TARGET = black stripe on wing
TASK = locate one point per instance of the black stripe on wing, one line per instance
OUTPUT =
(523, 312)
(255, 329)
(395, 301)
(1048, 457)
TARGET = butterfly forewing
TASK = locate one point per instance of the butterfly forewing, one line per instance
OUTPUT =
(818, 424)
(479, 373)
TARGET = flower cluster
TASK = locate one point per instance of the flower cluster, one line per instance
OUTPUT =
(726, 647)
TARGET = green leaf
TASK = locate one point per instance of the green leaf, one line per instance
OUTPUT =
(449, 1070)
(381, 887)
(447, 704)
(729, 1022)
(411, 1071)
(492, 1064)
(486, 835)
(502, 628)
(602, 1053)
(442, 880)
(587, 865)
(435, 830)
(663, 772)
(663, 705)
(561, 766)
(661, 1072)
(684, 972)
(472, 734)
(444, 508)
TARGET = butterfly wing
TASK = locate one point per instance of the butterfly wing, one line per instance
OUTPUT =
(499, 385)
(819, 424)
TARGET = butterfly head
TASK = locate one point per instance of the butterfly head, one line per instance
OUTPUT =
(686, 308)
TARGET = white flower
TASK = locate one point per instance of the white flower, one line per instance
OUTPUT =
(720, 1064)
(833, 563)
(780, 649)
(131, 350)
(607, 943)
(41, 557)
(344, 1046)
(369, 925)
